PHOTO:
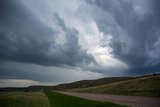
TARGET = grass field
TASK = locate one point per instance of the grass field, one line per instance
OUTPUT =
(61, 100)
(23, 99)
(146, 86)
(39, 99)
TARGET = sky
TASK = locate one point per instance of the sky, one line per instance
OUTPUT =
(47, 42)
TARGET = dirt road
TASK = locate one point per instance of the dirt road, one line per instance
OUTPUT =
(133, 101)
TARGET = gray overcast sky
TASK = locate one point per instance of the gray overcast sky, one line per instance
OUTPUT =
(46, 42)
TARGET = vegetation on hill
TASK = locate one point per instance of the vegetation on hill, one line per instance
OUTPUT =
(90, 83)
(145, 86)
(36, 88)
(79, 84)
(61, 100)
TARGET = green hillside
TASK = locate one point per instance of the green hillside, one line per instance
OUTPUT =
(145, 86)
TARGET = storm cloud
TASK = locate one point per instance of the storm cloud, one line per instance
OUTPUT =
(25, 38)
(52, 41)
(133, 27)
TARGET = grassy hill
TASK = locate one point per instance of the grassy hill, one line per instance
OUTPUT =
(79, 84)
(145, 86)
(91, 83)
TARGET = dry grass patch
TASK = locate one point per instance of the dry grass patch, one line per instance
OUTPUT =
(23, 99)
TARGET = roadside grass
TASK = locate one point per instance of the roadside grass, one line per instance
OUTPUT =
(23, 99)
(146, 86)
(61, 100)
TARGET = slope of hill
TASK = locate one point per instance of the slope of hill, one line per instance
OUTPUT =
(91, 83)
(38, 88)
(79, 84)
(147, 85)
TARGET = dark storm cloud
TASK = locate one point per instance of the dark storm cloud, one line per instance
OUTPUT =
(135, 29)
(25, 38)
